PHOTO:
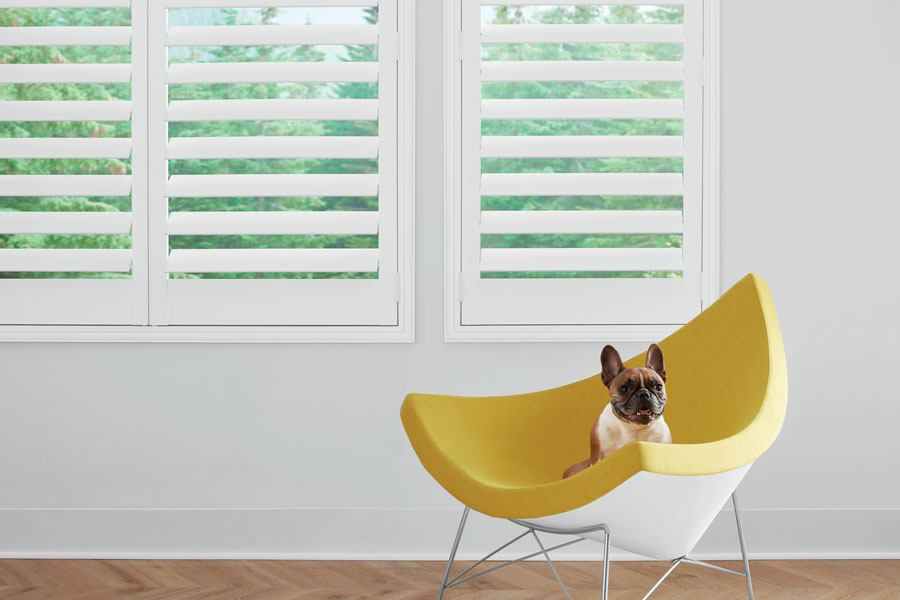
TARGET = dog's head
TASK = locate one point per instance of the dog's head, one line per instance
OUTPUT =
(638, 396)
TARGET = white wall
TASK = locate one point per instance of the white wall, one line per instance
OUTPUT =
(133, 449)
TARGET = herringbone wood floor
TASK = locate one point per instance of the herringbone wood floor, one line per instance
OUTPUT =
(323, 580)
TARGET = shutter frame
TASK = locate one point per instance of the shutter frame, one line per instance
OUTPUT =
(370, 302)
(122, 306)
(502, 309)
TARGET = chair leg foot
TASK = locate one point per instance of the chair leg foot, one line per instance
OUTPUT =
(462, 525)
(740, 530)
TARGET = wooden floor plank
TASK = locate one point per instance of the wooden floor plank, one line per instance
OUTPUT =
(407, 580)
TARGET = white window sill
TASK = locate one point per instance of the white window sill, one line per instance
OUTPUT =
(206, 334)
(557, 333)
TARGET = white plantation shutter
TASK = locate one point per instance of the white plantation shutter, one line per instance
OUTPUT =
(506, 282)
(62, 284)
(340, 285)
(85, 240)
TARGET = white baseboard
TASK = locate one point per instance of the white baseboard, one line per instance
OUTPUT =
(403, 534)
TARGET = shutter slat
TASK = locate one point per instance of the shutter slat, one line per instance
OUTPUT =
(273, 223)
(65, 3)
(62, 110)
(551, 146)
(65, 223)
(265, 3)
(272, 147)
(580, 221)
(233, 186)
(272, 110)
(65, 73)
(582, 109)
(278, 260)
(272, 35)
(582, 70)
(39, 260)
(65, 147)
(65, 185)
(272, 72)
(581, 34)
(580, 259)
(65, 36)
(581, 184)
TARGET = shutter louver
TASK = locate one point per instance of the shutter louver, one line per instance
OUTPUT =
(280, 165)
(72, 189)
(580, 180)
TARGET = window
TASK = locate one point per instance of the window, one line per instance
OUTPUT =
(208, 165)
(580, 184)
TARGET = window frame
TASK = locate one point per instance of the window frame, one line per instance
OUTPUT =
(454, 330)
(403, 331)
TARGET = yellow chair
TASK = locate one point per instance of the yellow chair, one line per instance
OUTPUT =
(504, 456)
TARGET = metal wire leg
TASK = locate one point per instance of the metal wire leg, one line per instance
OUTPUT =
(675, 563)
(605, 591)
(462, 525)
(552, 567)
(740, 529)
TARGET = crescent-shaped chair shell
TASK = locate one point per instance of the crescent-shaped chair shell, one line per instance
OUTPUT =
(727, 388)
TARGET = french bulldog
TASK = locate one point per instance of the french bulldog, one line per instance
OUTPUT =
(637, 398)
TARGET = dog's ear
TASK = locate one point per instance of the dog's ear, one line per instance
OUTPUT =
(611, 363)
(655, 360)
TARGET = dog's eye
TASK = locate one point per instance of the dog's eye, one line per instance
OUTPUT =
(659, 386)
(623, 389)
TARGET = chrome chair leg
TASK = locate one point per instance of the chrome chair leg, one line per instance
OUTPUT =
(462, 525)
(740, 529)
(446, 583)
(550, 562)
(700, 563)
(605, 589)
(675, 563)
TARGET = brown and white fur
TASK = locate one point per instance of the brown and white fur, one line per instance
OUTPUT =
(637, 398)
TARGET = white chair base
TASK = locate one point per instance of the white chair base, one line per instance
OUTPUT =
(532, 529)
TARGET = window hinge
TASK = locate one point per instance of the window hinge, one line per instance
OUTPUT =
(397, 287)
(460, 288)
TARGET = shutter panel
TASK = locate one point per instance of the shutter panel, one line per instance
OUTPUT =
(580, 179)
(276, 185)
(72, 163)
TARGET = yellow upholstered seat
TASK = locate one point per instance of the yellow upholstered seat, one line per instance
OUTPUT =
(504, 456)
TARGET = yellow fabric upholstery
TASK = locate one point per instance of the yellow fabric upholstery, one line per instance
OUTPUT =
(504, 456)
